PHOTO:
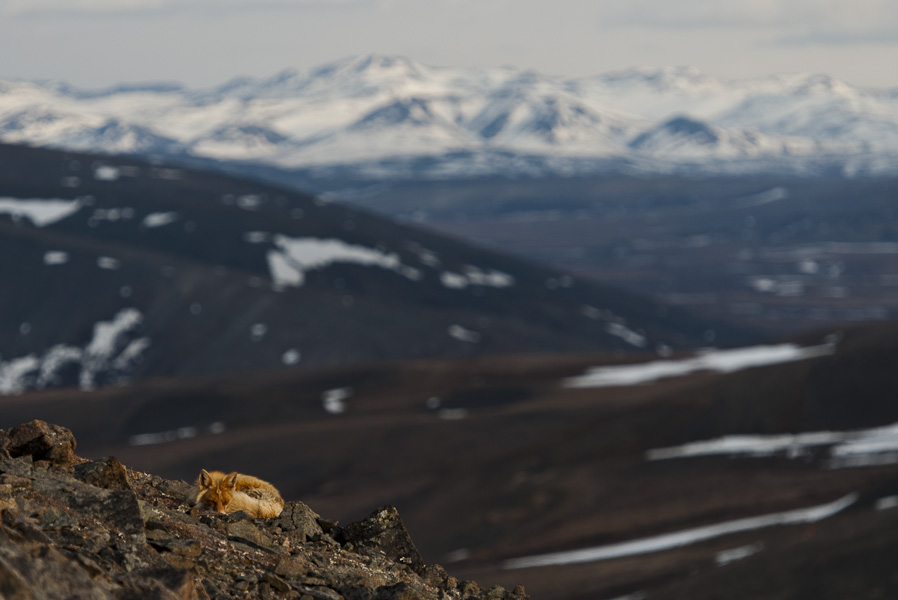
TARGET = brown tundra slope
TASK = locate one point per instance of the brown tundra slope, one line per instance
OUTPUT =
(775, 480)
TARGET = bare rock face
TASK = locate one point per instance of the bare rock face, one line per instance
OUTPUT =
(71, 528)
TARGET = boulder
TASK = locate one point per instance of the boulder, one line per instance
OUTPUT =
(384, 532)
(43, 442)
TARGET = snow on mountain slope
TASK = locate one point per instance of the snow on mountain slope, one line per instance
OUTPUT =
(682, 137)
(377, 109)
(109, 356)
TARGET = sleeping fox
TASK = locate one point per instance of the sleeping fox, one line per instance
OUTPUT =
(231, 493)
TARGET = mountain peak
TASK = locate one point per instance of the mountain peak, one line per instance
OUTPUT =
(680, 129)
(824, 84)
(371, 65)
(675, 78)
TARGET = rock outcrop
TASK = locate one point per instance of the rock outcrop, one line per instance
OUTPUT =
(74, 528)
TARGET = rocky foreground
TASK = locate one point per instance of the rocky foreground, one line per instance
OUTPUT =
(75, 528)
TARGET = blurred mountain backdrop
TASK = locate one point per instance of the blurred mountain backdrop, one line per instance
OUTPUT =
(389, 117)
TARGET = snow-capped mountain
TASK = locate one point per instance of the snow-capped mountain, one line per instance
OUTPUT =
(382, 112)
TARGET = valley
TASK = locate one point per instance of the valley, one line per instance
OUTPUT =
(779, 255)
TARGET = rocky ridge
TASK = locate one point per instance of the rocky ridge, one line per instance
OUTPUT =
(76, 528)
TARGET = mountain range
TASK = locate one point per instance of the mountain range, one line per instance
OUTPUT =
(390, 117)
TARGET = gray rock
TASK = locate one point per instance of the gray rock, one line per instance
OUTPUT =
(119, 510)
(108, 473)
(383, 531)
(164, 584)
(247, 533)
(301, 520)
(43, 442)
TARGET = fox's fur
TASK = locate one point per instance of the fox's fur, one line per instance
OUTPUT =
(229, 493)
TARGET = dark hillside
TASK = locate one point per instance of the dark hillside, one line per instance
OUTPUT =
(118, 268)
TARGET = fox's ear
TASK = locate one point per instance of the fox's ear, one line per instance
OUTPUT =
(205, 478)
(231, 480)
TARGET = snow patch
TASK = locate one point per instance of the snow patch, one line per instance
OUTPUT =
(13, 373)
(258, 331)
(633, 596)
(249, 201)
(106, 173)
(887, 503)
(172, 435)
(615, 325)
(476, 276)
(591, 312)
(726, 557)
(772, 195)
(41, 212)
(56, 257)
(168, 174)
(283, 271)
(294, 257)
(628, 335)
(111, 214)
(723, 361)
(334, 400)
(101, 352)
(453, 280)
(427, 257)
(159, 219)
(463, 335)
(131, 353)
(109, 263)
(109, 353)
(452, 414)
(291, 357)
(864, 447)
(257, 237)
(683, 538)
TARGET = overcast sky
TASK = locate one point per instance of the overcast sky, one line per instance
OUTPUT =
(95, 43)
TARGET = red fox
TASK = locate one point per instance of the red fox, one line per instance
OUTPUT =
(231, 493)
